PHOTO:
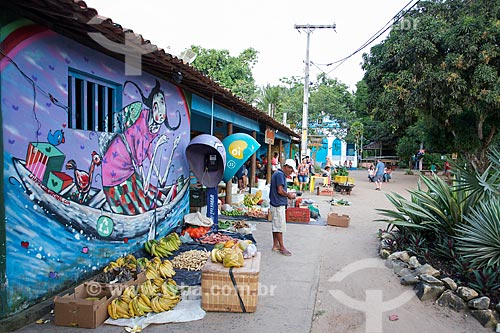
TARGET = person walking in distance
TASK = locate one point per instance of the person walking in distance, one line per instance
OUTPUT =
(279, 196)
(379, 174)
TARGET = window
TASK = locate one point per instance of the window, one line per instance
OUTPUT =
(95, 103)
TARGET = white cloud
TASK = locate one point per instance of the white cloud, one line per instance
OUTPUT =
(267, 26)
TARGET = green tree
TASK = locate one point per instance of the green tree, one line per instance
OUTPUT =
(441, 63)
(233, 73)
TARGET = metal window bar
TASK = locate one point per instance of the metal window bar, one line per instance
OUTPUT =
(94, 103)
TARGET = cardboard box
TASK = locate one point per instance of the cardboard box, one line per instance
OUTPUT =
(75, 310)
(115, 289)
(337, 220)
(218, 293)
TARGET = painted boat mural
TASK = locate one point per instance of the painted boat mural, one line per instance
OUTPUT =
(95, 217)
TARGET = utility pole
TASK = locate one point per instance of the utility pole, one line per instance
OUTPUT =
(308, 28)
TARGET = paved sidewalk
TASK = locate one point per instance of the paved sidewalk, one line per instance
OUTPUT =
(295, 291)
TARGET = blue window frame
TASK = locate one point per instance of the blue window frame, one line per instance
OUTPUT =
(95, 103)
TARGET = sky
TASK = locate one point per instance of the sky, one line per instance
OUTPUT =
(267, 26)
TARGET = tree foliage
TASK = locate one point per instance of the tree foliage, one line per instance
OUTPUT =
(442, 65)
(233, 73)
(328, 98)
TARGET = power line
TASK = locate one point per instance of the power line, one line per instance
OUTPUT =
(395, 19)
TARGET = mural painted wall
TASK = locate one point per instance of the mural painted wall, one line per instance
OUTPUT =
(75, 198)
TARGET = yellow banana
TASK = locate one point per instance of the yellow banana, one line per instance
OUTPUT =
(213, 256)
(151, 273)
(131, 309)
(168, 303)
(143, 306)
(137, 308)
(131, 258)
(125, 299)
(154, 304)
(162, 305)
(158, 281)
(122, 305)
(146, 300)
(122, 313)
(112, 310)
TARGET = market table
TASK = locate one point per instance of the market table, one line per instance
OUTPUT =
(314, 178)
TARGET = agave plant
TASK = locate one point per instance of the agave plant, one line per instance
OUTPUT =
(479, 240)
(479, 185)
(438, 209)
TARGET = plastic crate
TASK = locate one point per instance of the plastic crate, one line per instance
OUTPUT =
(198, 197)
(298, 215)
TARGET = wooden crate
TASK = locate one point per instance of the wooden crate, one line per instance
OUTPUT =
(218, 293)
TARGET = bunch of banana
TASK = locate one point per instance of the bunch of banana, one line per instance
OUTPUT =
(144, 303)
(113, 265)
(166, 269)
(163, 303)
(152, 273)
(163, 247)
(147, 288)
(174, 240)
(142, 263)
(128, 261)
(157, 282)
(155, 248)
(128, 293)
(155, 262)
(170, 289)
(118, 308)
(217, 255)
(139, 306)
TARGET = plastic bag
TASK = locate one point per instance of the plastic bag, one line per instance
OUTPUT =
(186, 238)
(233, 258)
(198, 219)
(250, 251)
(314, 212)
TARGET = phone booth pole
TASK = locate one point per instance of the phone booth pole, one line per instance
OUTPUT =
(213, 206)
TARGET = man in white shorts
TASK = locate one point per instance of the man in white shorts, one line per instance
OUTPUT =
(279, 196)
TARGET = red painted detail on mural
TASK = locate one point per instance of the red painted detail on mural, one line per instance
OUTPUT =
(25, 244)
(188, 114)
(49, 191)
(19, 35)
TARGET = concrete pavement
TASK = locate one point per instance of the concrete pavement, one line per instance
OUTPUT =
(296, 292)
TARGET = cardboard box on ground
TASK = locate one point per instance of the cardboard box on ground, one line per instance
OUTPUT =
(337, 220)
(87, 306)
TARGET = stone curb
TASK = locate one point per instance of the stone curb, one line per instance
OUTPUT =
(444, 292)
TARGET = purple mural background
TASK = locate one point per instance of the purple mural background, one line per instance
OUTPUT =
(44, 254)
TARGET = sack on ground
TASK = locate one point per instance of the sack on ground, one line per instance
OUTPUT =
(314, 212)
